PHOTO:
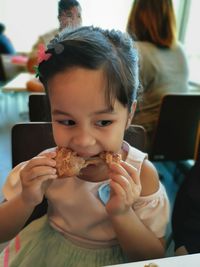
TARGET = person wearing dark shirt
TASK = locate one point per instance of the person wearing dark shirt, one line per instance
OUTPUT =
(6, 47)
(186, 214)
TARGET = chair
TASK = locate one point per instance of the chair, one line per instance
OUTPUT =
(29, 139)
(176, 132)
(39, 109)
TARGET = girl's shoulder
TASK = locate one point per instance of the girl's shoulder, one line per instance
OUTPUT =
(149, 178)
(12, 185)
(148, 174)
(134, 156)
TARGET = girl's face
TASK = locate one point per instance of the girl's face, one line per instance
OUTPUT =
(82, 120)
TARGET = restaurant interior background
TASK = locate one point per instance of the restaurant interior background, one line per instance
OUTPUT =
(26, 20)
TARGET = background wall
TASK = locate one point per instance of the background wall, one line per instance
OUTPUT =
(25, 20)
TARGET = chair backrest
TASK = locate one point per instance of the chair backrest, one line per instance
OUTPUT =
(29, 139)
(39, 109)
(177, 127)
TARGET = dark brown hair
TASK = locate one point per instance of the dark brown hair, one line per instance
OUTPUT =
(64, 5)
(153, 21)
(95, 48)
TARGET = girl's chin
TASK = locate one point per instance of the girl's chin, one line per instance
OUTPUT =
(93, 173)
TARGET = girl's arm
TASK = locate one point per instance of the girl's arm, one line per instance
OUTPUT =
(137, 241)
(13, 215)
(36, 175)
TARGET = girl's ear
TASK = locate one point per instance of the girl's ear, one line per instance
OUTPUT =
(131, 114)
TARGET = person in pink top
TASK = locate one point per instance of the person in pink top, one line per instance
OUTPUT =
(106, 214)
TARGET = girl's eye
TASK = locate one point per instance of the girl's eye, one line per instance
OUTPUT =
(68, 122)
(103, 123)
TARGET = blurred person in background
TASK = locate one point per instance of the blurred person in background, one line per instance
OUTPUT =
(6, 46)
(186, 213)
(163, 63)
(69, 15)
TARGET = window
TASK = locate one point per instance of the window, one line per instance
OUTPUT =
(192, 41)
(188, 18)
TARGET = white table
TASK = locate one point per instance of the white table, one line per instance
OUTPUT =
(192, 260)
(14, 97)
(18, 84)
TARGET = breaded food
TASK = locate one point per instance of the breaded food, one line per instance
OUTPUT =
(109, 157)
(68, 163)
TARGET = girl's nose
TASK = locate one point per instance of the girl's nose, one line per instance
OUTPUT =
(84, 139)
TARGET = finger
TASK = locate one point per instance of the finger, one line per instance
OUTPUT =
(116, 189)
(119, 169)
(124, 183)
(42, 182)
(36, 172)
(124, 168)
(47, 177)
(40, 161)
(127, 195)
(131, 174)
(39, 171)
(132, 171)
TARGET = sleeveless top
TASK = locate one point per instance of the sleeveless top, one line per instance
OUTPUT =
(76, 210)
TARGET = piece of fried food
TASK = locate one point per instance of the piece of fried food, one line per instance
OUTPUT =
(151, 265)
(69, 164)
(109, 157)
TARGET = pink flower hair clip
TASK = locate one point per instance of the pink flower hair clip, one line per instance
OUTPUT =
(42, 56)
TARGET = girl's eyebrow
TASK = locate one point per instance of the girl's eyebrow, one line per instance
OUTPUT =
(109, 110)
(60, 112)
(98, 112)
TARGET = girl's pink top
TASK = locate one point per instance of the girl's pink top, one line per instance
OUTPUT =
(76, 210)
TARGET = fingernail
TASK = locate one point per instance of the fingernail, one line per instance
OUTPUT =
(53, 171)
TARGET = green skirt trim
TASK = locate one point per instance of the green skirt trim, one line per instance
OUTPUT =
(39, 245)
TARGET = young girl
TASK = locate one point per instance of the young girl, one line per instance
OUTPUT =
(105, 215)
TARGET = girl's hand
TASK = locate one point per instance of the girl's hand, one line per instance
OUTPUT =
(125, 188)
(36, 176)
